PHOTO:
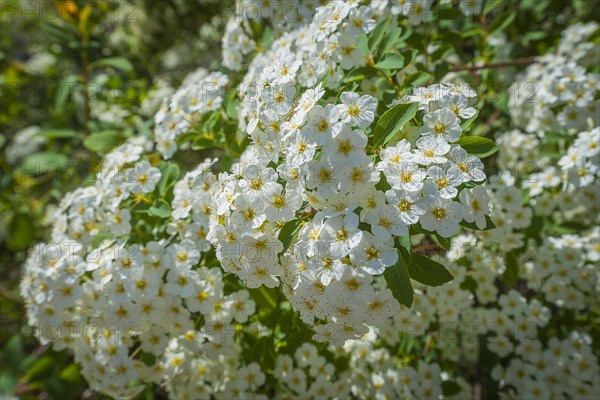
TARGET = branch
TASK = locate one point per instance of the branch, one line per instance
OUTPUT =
(511, 63)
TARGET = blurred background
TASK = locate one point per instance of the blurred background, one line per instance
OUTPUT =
(76, 79)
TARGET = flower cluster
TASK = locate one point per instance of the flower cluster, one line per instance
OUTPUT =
(103, 298)
(199, 93)
(557, 92)
(194, 281)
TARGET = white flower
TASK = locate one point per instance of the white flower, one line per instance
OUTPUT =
(471, 167)
(118, 222)
(326, 266)
(430, 151)
(386, 221)
(252, 374)
(242, 307)
(280, 98)
(296, 380)
(373, 254)
(360, 20)
(393, 155)
(425, 95)
(281, 206)
(260, 249)
(347, 54)
(446, 178)
(458, 103)
(285, 68)
(180, 281)
(249, 212)
(356, 109)
(325, 175)
(322, 124)
(409, 205)
(342, 233)
(183, 254)
(347, 146)
(406, 176)
(476, 205)
(442, 124)
(442, 216)
(300, 150)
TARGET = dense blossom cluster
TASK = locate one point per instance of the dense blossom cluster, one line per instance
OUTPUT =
(165, 273)
(199, 93)
(97, 297)
(558, 92)
(310, 157)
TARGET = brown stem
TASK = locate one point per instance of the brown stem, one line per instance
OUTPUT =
(491, 119)
(306, 213)
(516, 61)
(426, 248)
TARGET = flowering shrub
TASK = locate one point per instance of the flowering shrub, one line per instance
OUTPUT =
(341, 216)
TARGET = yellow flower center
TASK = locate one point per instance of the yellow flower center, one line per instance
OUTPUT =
(372, 253)
(354, 111)
(439, 128)
(439, 213)
(404, 205)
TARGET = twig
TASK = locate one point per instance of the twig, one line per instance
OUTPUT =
(511, 63)
(491, 119)
(426, 248)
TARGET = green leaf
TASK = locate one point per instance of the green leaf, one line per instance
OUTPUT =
(409, 55)
(376, 36)
(357, 74)
(71, 374)
(471, 225)
(287, 233)
(450, 388)
(427, 271)
(203, 143)
(231, 102)
(502, 22)
(391, 61)
(416, 79)
(170, 174)
(467, 123)
(267, 37)
(511, 275)
(391, 40)
(442, 241)
(162, 211)
(362, 43)
(405, 247)
(22, 231)
(12, 354)
(58, 133)
(476, 31)
(8, 382)
(43, 162)
(65, 91)
(103, 141)
(120, 63)
(478, 146)
(392, 121)
(398, 280)
(42, 369)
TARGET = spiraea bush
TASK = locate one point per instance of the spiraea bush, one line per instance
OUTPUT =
(361, 226)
